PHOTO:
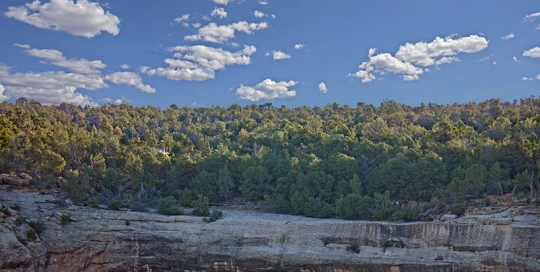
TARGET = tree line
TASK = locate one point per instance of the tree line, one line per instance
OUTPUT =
(331, 161)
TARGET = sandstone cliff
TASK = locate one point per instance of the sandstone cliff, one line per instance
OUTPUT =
(103, 240)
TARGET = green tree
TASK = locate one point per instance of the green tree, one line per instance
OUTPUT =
(354, 207)
(201, 207)
(225, 183)
(167, 206)
(254, 183)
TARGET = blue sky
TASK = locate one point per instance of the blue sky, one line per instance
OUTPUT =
(292, 53)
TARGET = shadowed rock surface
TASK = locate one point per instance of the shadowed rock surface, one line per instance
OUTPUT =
(104, 240)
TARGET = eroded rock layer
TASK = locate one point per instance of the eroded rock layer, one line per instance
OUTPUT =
(103, 240)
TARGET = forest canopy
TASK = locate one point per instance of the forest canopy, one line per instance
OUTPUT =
(331, 161)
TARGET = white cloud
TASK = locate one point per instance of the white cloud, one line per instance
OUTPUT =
(266, 90)
(55, 87)
(425, 54)
(2, 96)
(533, 52)
(196, 74)
(215, 58)
(184, 18)
(116, 101)
(57, 58)
(394, 65)
(508, 36)
(485, 58)
(411, 77)
(222, 33)
(410, 58)
(219, 12)
(526, 78)
(531, 17)
(176, 63)
(445, 60)
(199, 62)
(538, 77)
(279, 55)
(262, 2)
(82, 18)
(494, 63)
(222, 2)
(196, 25)
(129, 79)
(323, 88)
(299, 46)
(24, 46)
(51, 80)
(515, 59)
(259, 14)
(50, 87)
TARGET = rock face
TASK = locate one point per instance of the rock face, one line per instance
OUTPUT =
(103, 240)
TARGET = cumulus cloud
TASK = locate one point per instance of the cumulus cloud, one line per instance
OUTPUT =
(259, 14)
(50, 87)
(55, 87)
(526, 78)
(533, 52)
(279, 55)
(183, 18)
(129, 79)
(299, 46)
(199, 62)
(410, 58)
(508, 36)
(222, 33)
(57, 58)
(215, 58)
(531, 17)
(124, 66)
(222, 2)
(83, 18)
(196, 74)
(266, 90)
(425, 54)
(219, 12)
(323, 88)
(262, 2)
(515, 59)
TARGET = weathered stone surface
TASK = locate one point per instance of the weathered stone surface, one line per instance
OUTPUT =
(448, 217)
(14, 255)
(21, 180)
(103, 240)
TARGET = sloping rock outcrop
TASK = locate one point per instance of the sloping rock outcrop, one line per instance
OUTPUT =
(103, 240)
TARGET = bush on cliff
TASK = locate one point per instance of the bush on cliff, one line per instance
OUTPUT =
(115, 205)
(201, 207)
(167, 206)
